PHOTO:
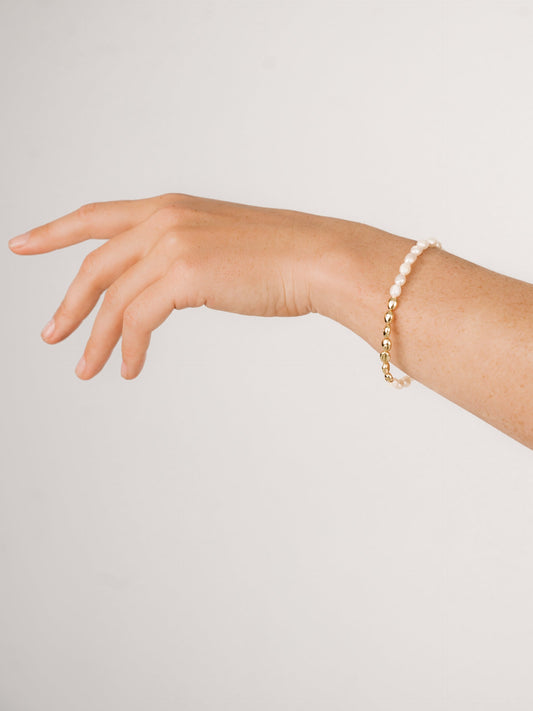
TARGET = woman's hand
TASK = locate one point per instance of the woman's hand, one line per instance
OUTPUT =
(174, 251)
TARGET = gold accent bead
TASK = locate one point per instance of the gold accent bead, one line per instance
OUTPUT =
(388, 317)
(386, 330)
(392, 304)
(385, 367)
(385, 356)
(389, 377)
(386, 344)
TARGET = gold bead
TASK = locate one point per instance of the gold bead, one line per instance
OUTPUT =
(386, 344)
(385, 367)
(385, 356)
(388, 317)
(392, 304)
(386, 330)
(389, 377)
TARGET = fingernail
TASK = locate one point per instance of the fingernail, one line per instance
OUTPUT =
(124, 370)
(48, 329)
(18, 241)
(81, 366)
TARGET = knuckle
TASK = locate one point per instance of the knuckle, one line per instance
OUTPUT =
(178, 213)
(67, 311)
(170, 198)
(168, 215)
(85, 212)
(89, 264)
(171, 240)
(187, 265)
(92, 349)
(112, 297)
(132, 317)
(129, 353)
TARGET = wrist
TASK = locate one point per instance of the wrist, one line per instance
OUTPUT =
(353, 276)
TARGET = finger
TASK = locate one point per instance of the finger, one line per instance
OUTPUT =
(107, 326)
(97, 220)
(101, 268)
(148, 311)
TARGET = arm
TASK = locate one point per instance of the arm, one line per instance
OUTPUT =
(460, 329)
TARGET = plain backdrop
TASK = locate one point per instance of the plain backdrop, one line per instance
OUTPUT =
(258, 521)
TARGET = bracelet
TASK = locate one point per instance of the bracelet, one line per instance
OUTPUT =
(395, 291)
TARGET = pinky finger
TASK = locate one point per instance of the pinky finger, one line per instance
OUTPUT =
(143, 315)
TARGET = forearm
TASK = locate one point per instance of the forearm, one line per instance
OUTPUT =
(460, 329)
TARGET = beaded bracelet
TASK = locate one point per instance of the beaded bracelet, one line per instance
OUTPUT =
(395, 292)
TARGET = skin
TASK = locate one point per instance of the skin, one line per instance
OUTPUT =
(459, 328)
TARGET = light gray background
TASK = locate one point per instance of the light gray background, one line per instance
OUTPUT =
(257, 521)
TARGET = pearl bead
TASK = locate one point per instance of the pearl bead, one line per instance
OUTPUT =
(395, 290)
(400, 280)
(405, 268)
(422, 243)
(432, 242)
(410, 258)
(416, 250)
(438, 245)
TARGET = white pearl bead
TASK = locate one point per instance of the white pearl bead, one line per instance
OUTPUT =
(395, 290)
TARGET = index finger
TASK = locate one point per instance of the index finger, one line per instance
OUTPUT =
(95, 220)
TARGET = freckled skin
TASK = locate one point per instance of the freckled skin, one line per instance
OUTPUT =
(458, 327)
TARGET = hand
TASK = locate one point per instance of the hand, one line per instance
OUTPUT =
(175, 251)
